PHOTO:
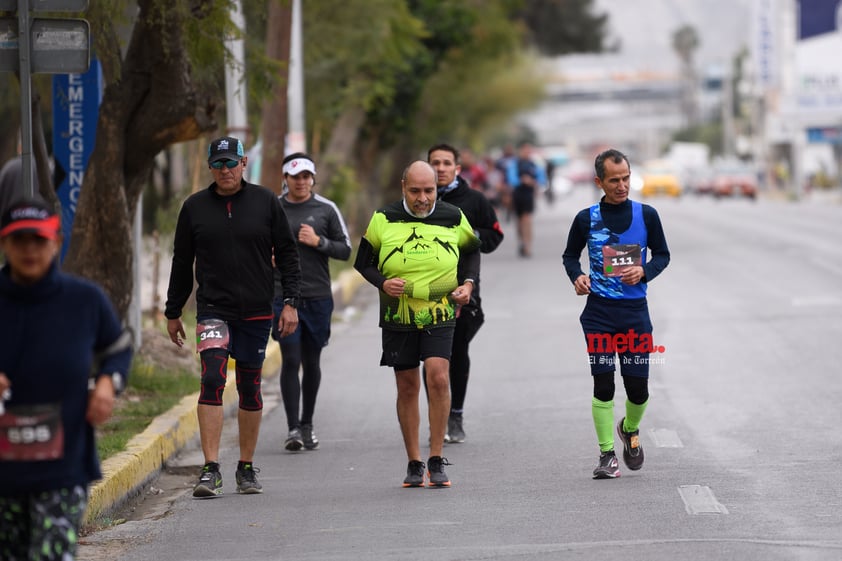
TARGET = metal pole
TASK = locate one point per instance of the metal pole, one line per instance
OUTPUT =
(135, 315)
(295, 90)
(25, 73)
(235, 83)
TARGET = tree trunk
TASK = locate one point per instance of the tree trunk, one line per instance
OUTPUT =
(275, 126)
(152, 105)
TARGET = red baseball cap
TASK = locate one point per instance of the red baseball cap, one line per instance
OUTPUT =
(30, 216)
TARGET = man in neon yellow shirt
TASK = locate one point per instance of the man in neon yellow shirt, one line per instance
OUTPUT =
(422, 255)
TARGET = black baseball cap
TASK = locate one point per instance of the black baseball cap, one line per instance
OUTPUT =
(225, 148)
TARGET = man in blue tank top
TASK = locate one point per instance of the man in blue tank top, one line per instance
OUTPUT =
(620, 235)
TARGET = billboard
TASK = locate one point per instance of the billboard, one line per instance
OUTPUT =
(818, 71)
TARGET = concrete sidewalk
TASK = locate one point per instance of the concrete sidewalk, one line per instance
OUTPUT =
(125, 474)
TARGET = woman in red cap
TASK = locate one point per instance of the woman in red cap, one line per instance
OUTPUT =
(63, 358)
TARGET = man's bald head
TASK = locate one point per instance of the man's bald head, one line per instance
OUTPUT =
(419, 188)
(418, 167)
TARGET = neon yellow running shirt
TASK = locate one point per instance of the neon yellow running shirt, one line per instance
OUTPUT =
(425, 253)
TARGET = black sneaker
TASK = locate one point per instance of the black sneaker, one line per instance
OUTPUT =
(435, 472)
(455, 433)
(414, 474)
(309, 437)
(247, 483)
(294, 441)
(608, 467)
(632, 449)
(210, 481)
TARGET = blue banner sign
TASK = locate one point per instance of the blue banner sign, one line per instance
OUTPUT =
(825, 135)
(76, 99)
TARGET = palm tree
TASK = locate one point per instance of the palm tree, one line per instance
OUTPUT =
(685, 41)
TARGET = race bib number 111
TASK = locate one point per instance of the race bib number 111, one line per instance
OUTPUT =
(618, 258)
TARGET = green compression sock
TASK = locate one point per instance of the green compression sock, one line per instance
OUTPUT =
(634, 414)
(603, 422)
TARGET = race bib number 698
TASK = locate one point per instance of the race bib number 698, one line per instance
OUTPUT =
(31, 433)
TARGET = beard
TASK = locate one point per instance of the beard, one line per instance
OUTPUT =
(418, 214)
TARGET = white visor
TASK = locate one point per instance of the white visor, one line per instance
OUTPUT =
(296, 166)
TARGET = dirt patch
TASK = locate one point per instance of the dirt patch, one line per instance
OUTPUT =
(157, 349)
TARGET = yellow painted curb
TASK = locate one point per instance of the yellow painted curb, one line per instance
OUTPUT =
(348, 282)
(125, 473)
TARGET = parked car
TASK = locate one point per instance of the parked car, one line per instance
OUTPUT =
(700, 182)
(660, 179)
(735, 180)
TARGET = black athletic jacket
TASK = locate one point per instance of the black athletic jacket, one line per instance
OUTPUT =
(480, 213)
(232, 240)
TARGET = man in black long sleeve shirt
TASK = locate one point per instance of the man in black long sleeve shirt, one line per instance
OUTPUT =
(479, 212)
(618, 234)
(233, 231)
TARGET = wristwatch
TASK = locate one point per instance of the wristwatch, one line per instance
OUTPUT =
(116, 380)
(291, 302)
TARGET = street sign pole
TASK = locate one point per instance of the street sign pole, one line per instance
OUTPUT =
(25, 74)
(40, 45)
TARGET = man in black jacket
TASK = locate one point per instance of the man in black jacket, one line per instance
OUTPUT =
(483, 219)
(233, 231)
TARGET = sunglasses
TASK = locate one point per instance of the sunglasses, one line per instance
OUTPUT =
(230, 164)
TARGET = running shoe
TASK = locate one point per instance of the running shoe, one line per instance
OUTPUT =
(632, 449)
(414, 474)
(435, 472)
(309, 437)
(294, 440)
(608, 467)
(210, 481)
(247, 483)
(455, 433)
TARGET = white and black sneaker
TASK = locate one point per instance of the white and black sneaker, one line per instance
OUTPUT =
(455, 432)
(311, 442)
(210, 482)
(295, 440)
(608, 468)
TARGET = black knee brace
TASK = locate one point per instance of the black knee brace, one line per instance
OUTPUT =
(248, 386)
(214, 376)
(603, 386)
(637, 389)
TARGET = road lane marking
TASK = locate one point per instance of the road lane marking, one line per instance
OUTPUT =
(699, 499)
(665, 438)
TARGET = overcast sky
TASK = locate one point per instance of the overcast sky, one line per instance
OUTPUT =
(645, 28)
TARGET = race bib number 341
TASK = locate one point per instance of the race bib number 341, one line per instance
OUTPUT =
(212, 334)
(31, 433)
(619, 258)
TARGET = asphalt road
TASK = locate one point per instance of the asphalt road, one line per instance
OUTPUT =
(742, 434)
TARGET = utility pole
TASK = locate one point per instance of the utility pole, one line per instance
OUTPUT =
(297, 135)
(728, 132)
(235, 83)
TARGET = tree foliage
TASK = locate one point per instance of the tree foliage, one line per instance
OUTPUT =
(384, 79)
(559, 27)
(155, 96)
(383, 86)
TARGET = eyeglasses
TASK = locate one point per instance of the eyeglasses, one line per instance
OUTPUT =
(230, 164)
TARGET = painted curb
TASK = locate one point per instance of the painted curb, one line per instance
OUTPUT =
(126, 473)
